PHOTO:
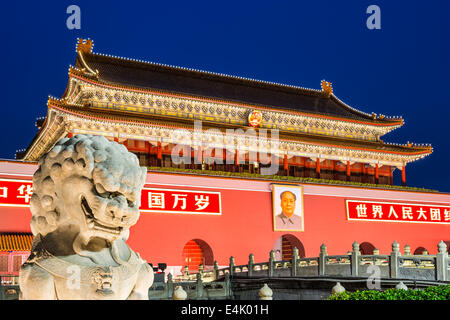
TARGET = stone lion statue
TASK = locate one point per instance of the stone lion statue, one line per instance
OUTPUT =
(86, 196)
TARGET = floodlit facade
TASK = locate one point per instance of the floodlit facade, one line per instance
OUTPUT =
(235, 166)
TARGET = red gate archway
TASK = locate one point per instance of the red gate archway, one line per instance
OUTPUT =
(284, 247)
(419, 251)
(366, 248)
(196, 252)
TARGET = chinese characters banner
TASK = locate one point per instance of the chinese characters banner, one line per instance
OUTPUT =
(180, 201)
(16, 193)
(398, 212)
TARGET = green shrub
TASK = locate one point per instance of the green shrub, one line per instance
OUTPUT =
(430, 293)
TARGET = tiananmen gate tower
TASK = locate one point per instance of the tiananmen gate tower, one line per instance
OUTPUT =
(223, 153)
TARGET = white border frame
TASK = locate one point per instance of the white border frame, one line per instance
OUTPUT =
(16, 205)
(394, 221)
(274, 186)
(186, 212)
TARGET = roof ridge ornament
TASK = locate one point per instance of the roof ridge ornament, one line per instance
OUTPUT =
(85, 45)
(327, 88)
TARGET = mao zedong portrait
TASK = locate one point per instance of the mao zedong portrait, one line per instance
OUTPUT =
(287, 219)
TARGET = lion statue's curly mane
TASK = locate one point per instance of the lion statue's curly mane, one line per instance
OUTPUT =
(86, 196)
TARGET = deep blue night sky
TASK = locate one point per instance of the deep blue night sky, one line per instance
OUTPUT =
(400, 70)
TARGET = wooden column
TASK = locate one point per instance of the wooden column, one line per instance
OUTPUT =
(236, 160)
(303, 163)
(148, 150)
(318, 168)
(334, 169)
(404, 175)
(348, 171)
(199, 155)
(258, 170)
(212, 160)
(224, 158)
(159, 150)
(377, 176)
(192, 158)
(295, 166)
(286, 166)
(159, 154)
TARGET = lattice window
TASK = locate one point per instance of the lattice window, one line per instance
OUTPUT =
(17, 263)
(4, 263)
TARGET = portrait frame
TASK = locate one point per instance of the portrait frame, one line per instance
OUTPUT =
(277, 190)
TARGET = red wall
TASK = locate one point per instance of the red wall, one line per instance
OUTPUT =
(245, 225)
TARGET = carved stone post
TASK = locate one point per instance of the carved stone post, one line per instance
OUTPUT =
(216, 270)
(338, 288)
(200, 269)
(407, 250)
(232, 266)
(394, 263)
(271, 263)
(199, 286)
(322, 259)
(265, 293)
(227, 286)
(401, 286)
(169, 286)
(251, 263)
(294, 263)
(441, 262)
(179, 294)
(355, 259)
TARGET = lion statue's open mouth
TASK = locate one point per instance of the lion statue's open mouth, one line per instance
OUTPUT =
(94, 223)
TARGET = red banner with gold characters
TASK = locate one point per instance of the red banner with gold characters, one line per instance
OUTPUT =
(397, 212)
(17, 193)
(180, 201)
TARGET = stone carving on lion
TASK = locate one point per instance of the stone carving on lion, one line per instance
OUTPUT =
(86, 196)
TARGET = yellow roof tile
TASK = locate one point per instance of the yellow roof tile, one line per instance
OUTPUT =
(15, 241)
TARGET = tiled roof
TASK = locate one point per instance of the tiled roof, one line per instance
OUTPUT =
(15, 241)
(155, 76)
